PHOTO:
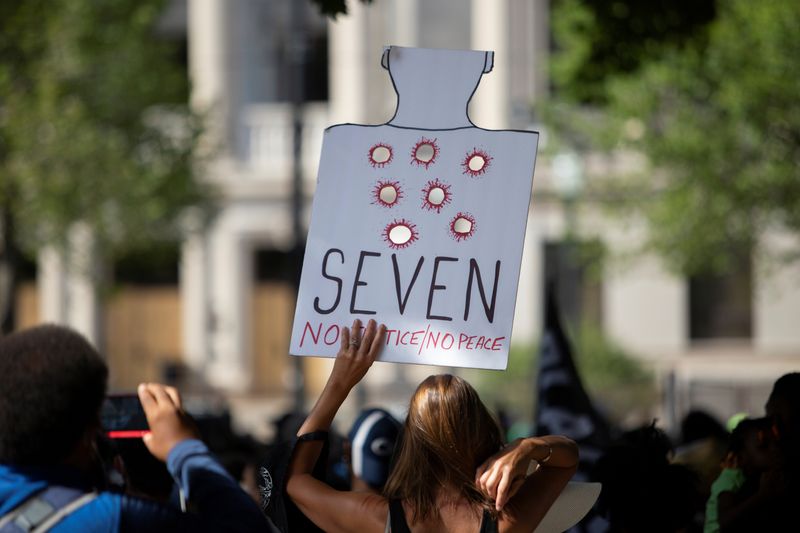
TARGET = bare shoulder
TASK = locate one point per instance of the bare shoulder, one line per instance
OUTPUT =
(358, 512)
(355, 512)
(369, 512)
(373, 504)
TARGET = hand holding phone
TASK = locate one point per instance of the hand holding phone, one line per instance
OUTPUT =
(123, 417)
(168, 422)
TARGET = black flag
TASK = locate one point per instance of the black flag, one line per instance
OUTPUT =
(564, 407)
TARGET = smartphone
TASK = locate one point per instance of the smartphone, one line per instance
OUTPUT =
(123, 417)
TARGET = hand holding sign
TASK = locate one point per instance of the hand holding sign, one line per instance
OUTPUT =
(356, 353)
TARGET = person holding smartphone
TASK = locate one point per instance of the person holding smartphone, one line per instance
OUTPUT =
(53, 383)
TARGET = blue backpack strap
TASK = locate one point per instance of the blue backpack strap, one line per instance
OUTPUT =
(39, 508)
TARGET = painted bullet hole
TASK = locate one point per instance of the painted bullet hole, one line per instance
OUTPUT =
(436, 195)
(425, 152)
(400, 233)
(476, 162)
(387, 193)
(462, 226)
(380, 155)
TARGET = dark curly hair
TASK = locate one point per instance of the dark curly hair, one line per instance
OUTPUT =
(53, 383)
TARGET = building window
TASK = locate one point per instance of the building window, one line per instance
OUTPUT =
(158, 264)
(721, 305)
(315, 69)
(574, 268)
(273, 265)
(316, 76)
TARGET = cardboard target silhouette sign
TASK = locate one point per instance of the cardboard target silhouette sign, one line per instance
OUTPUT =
(419, 223)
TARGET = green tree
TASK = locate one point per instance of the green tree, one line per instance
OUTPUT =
(718, 118)
(619, 382)
(94, 125)
(597, 40)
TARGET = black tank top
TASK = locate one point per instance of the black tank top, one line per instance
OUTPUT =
(397, 519)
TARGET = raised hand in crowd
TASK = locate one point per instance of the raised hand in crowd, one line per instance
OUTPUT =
(169, 424)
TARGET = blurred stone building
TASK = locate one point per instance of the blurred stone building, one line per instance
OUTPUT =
(714, 342)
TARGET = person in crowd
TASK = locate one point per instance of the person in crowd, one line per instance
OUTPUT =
(452, 472)
(371, 441)
(702, 446)
(642, 489)
(770, 504)
(750, 454)
(53, 385)
(783, 408)
(273, 467)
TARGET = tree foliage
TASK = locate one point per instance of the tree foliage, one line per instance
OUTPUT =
(719, 120)
(94, 125)
(597, 39)
(616, 379)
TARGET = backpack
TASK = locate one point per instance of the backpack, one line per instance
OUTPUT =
(43, 510)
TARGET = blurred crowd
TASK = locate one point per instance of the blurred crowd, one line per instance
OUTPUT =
(57, 468)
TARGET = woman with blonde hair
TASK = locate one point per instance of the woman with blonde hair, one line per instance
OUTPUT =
(451, 473)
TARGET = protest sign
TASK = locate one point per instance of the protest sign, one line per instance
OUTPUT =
(419, 223)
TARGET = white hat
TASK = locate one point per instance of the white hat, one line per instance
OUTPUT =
(570, 507)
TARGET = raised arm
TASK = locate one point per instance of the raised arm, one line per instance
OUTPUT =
(216, 500)
(328, 508)
(526, 477)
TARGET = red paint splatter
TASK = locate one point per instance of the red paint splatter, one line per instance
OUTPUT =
(430, 192)
(462, 226)
(386, 187)
(418, 155)
(400, 233)
(476, 162)
(380, 155)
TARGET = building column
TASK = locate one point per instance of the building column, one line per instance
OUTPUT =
(347, 41)
(210, 293)
(52, 285)
(490, 106)
(84, 274)
(406, 22)
(213, 71)
(193, 284)
(68, 283)
(231, 257)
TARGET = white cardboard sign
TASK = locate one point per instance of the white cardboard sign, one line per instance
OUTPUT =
(419, 223)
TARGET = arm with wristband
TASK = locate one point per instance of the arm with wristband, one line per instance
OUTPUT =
(328, 508)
